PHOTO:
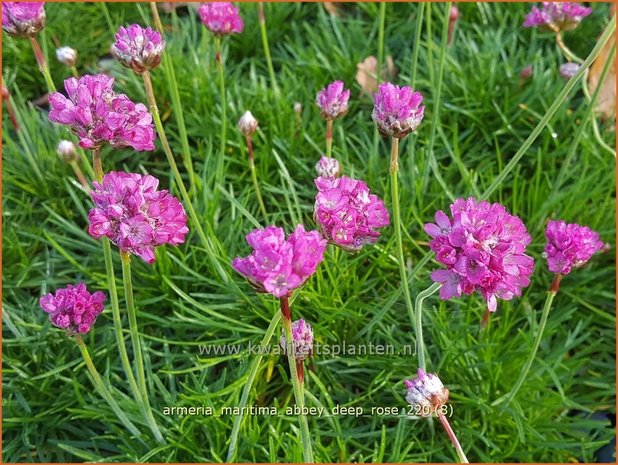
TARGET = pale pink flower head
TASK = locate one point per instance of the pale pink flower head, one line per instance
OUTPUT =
(221, 18)
(278, 265)
(483, 248)
(97, 115)
(568, 70)
(328, 167)
(137, 48)
(66, 151)
(247, 124)
(333, 100)
(347, 213)
(397, 110)
(73, 308)
(66, 55)
(134, 215)
(569, 246)
(302, 340)
(23, 19)
(557, 16)
(426, 393)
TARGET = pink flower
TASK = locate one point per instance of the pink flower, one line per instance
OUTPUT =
(302, 340)
(221, 17)
(73, 308)
(23, 19)
(568, 70)
(98, 115)
(397, 110)
(138, 48)
(426, 393)
(557, 16)
(483, 248)
(134, 215)
(347, 214)
(333, 100)
(569, 246)
(328, 167)
(278, 266)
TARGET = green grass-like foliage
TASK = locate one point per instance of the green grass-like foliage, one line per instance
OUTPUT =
(50, 409)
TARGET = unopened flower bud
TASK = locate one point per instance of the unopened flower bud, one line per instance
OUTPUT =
(247, 124)
(453, 14)
(526, 73)
(568, 70)
(298, 108)
(302, 338)
(333, 100)
(66, 151)
(426, 393)
(66, 56)
(328, 167)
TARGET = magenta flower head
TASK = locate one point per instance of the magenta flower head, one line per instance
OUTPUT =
(483, 248)
(302, 340)
(138, 48)
(278, 265)
(221, 18)
(426, 393)
(328, 167)
(569, 246)
(347, 214)
(568, 70)
(97, 115)
(73, 308)
(557, 16)
(333, 100)
(23, 19)
(397, 110)
(134, 215)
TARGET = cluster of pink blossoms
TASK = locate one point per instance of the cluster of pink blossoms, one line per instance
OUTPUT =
(278, 266)
(23, 19)
(397, 110)
(347, 213)
(557, 16)
(135, 216)
(426, 393)
(302, 340)
(221, 18)
(333, 100)
(73, 308)
(569, 246)
(328, 167)
(98, 115)
(483, 248)
(137, 48)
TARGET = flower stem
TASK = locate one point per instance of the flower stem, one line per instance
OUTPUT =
(256, 184)
(222, 137)
(42, 62)
(208, 245)
(451, 435)
(403, 274)
(137, 347)
(170, 77)
(297, 386)
(418, 313)
(329, 138)
(526, 368)
(97, 165)
(417, 41)
(231, 453)
(569, 55)
(100, 386)
(269, 61)
(79, 174)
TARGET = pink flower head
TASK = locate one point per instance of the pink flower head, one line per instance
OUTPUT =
(278, 266)
(221, 18)
(98, 115)
(73, 308)
(568, 70)
(557, 16)
(426, 393)
(23, 19)
(483, 248)
(347, 213)
(302, 340)
(569, 246)
(138, 48)
(397, 110)
(134, 215)
(333, 100)
(328, 167)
